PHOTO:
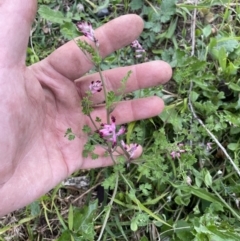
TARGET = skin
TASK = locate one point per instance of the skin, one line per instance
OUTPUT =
(38, 103)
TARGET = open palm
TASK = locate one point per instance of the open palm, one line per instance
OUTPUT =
(38, 103)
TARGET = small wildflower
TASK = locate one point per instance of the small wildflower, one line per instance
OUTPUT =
(108, 132)
(219, 172)
(209, 146)
(95, 86)
(80, 7)
(174, 154)
(130, 148)
(237, 202)
(177, 153)
(169, 198)
(86, 29)
(139, 51)
(189, 180)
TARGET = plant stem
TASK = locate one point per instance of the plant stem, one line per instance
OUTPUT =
(110, 207)
(104, 88)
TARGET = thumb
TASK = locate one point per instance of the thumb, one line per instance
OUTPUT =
(15, 23)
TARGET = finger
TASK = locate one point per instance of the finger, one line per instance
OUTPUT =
(104, 161)
(15, 23)
(124, 112)
(143, 76)
(69, 60)
(131, 110)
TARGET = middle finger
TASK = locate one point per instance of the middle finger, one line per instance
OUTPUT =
(143, 76)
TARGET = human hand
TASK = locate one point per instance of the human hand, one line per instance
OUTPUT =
(38, 103)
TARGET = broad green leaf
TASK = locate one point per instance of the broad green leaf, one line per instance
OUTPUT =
(171, 116)
(194, 96)
(182, 200)
(136, 4)
(167, 9)
(144, 238)
(182, 230)
(208, 179)
(52, 15)
(103, 6)
(68, 30)
(207, 30)
(66, 235)
(134, 226)
(233, 146)
(35, 208)
(234, 86)
(228, 43)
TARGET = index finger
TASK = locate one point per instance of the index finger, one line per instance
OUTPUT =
(69, 60)
(15, 23)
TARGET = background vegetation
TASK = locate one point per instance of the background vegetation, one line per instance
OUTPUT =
(186, 184)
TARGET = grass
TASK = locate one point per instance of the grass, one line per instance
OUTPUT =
(194, 196)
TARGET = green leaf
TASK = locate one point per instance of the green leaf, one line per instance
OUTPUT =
(52, 15)
(136, 4)
(234, 86)
(70, 217)
(168, 8)
(233, 146)
(222, 58)
(228, 43)
(148, 211)
(35, 208)
(66, 235)
(208, 179)
(199, 192)
(183, 230)
(207, 30)
(144, 238)
(103, 6)
(83, 220)
(68, 30)
(134, 226)
(171, 116)
(194, 96)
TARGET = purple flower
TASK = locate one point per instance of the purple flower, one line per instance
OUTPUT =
(129, 148)
(86, 29)
(177, 153)
(95, 86)
(138, 49)
(108, 132)
(209, 146)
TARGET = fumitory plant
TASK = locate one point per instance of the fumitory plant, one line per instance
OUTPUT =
(107, 135)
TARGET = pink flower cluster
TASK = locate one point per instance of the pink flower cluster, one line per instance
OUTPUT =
(177, 153)
(95, 86)
(86, 29)
(138, 49)
(108, 131)
(130, 148)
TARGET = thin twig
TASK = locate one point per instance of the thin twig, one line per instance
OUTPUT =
(83, 194)
(215, 139)
(189, 96)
